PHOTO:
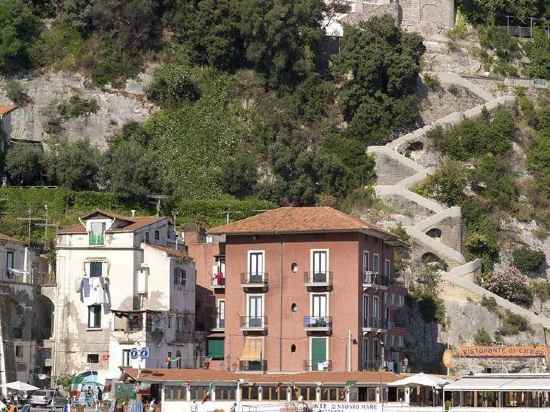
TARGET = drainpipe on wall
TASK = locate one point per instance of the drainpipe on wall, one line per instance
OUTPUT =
(281, 304)
(3, 382)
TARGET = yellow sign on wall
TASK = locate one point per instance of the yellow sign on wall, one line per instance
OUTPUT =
(534, 351)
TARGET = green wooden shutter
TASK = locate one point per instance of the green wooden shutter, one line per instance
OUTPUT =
(215, 348)
(318, 351)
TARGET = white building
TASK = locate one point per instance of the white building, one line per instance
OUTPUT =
(123, 285)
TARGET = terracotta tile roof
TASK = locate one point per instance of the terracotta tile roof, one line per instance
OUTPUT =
(299, 220)
(77, 228)
(9, 238)
(209, 375)
(133, 223)
(181, 253)
(4, 110)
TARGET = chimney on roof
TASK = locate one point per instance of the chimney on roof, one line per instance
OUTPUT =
(133, 212)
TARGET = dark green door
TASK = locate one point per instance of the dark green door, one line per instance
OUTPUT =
(318, 353)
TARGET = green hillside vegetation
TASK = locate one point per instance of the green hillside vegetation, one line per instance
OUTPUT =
(251, 110)
(477, 175)
(65, 206)
(500, 53)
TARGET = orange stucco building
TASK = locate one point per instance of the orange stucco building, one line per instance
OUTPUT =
(303, 289)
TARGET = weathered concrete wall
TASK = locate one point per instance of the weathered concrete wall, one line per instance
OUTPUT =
(427, 16)
(389, 171)
(116, 107)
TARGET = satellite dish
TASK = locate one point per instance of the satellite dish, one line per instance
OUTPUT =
(42, 376)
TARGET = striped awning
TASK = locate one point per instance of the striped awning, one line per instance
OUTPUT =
(252, 350)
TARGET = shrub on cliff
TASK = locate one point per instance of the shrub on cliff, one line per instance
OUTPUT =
(528, 260)
(512, 285)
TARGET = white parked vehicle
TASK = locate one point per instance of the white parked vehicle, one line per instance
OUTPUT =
(47, 397)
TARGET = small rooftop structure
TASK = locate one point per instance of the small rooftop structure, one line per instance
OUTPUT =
(123, 223)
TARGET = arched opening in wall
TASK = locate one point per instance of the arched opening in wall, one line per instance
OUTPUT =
(432, 260)
(414, 149)
(43, 318)
(434, 233)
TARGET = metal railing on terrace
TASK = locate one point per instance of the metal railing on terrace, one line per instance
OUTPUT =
(254, 279)
(318, 278)
(318, 322)
(310, 365)
(253, 322)
(375, 279)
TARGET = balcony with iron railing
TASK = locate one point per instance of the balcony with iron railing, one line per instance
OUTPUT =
(372, 365)
(253, 323)
(372, 279)
(314, 366)
(20, 276)
(374, 323)
(318, 323)
(253, 366)
(256, 280)
(318, 279)
(218, 281)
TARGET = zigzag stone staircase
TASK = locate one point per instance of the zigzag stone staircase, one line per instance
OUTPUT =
(398, 174)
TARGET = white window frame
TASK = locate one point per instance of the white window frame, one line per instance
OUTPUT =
(365, 352)
(376, 307)
(367, 261)
(220, 302)
(311, 262)
(250, 295)
(327, 295)
(249, 253)
(366, 307)
(387, 267)
(327, 349)
(100, 318)
(128, 358)
(8, 254)
(376, 257)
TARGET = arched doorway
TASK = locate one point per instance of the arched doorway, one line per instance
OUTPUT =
(434, 233)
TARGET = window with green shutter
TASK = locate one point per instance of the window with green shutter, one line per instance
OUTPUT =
(318, 352)
(215, 349)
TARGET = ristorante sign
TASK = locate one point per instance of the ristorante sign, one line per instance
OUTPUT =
(538, 351)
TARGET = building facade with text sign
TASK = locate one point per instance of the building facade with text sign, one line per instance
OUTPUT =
(309, 289)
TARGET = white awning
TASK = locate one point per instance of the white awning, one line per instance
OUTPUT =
(421, 379)
(505, 384)
(21, 386)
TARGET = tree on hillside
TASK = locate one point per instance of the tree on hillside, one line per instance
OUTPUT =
(538, 160)
(131, 166)
(172, 85)
(380, 65)
(210, 29)
(281, 37)
(483, 11)
(25, 165)
(19, 28)
(538, 52)
(74, 165)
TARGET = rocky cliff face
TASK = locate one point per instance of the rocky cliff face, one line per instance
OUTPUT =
(116, 107)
